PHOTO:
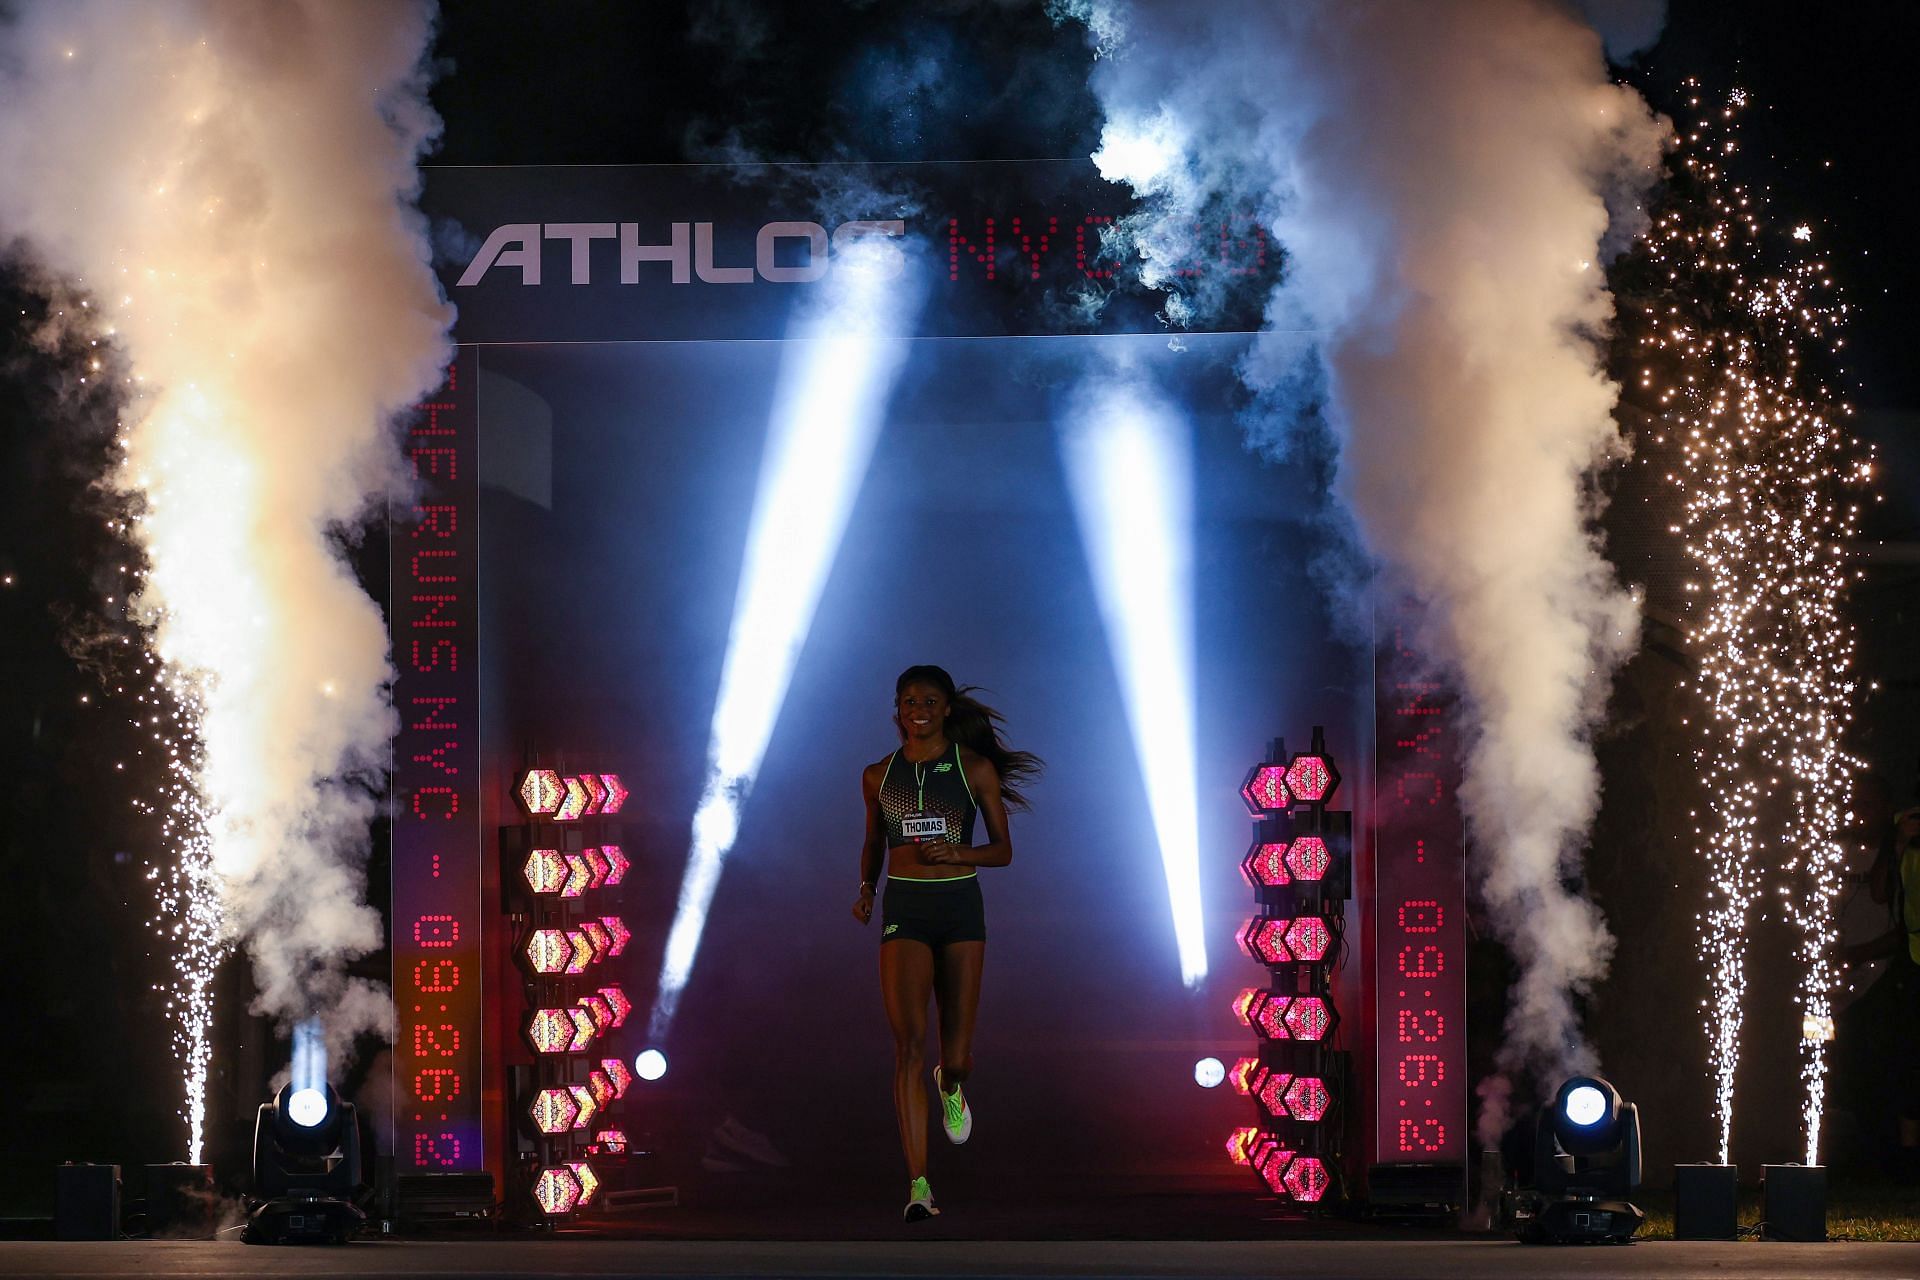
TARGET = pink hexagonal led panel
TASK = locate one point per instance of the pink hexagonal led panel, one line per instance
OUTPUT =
(1306, 1180)
(583, 1099)
(619, 1074)
(1308, 859)
(1246, 1076)
(1307, 1018)
(541, 792)
(1270, 1161)
(617, 862)
(583, 1029)
(1266, 865)
(1307, 1098)
(616, 793)
(1308, 939)
(553, 1111)
(617, 934)
(1270, 1017)
(1273, 1094)
(600, 1087)
(1310, 778)
(1265, 789)
(596, 793)
(1239, 1142)
(1263, 938)
(583, 954)
(617, 1002)
(548, 950)
(597, 867)
(579, 876)
(596, 1005)
(589, 1180)
(550, 1030)
(574, 803)
(557, 1190)
(545, 871)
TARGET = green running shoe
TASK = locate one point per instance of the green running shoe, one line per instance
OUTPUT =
(920, 1202)
(956, 1117)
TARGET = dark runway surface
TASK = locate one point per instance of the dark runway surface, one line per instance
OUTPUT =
(1444, 1258)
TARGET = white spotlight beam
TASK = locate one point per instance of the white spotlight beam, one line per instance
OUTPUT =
(845, 352)
(1132, 483)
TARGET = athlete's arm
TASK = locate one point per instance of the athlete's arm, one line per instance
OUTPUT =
(873, 850)
(984, 780)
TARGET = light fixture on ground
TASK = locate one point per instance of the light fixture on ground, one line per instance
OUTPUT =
(306, 1157)
(1586, 1165)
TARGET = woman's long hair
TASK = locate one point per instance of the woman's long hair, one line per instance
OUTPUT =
(976, 726)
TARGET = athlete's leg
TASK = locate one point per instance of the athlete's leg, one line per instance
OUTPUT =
(957, 987)
(906, 981)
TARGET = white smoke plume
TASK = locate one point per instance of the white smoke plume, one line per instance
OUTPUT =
(1440, 179)
(230, 184)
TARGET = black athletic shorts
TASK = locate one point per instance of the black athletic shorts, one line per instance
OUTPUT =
(935, 912)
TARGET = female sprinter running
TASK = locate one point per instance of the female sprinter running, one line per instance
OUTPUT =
(921, 801)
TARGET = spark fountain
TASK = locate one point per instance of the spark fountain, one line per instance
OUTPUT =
(230, 188)
(1744, 330)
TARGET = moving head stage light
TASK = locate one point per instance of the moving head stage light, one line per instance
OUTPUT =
(1585, 1163)
(306, 1168)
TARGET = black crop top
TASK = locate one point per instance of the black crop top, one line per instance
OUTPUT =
(931, 788)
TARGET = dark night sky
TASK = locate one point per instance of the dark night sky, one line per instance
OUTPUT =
(574, 82)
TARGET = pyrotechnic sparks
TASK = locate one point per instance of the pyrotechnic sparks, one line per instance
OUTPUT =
(190, 915)
(1747, 319)
(231, 186)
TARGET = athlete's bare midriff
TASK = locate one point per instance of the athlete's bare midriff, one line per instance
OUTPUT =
(905, 863)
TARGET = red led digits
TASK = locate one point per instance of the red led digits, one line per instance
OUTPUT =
(1427, 1026)
(1423, 1070)
(436, 1084)
(436, 931)
(1422, 1136)
(436, 977)
(1418, 962)
(438, 1151)
(1422, 915)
